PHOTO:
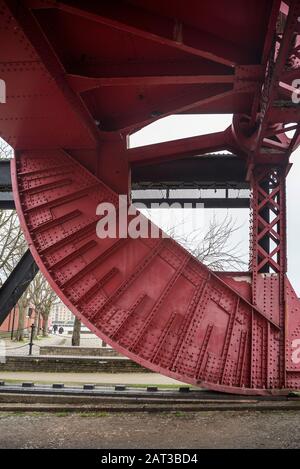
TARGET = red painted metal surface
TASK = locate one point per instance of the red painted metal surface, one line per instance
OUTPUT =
(80, 77)
(148, 298)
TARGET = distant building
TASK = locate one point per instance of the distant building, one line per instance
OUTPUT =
(61, 314)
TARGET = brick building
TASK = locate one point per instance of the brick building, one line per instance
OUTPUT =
(11, 321)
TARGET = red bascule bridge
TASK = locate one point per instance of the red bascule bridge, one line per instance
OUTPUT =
(81, 76)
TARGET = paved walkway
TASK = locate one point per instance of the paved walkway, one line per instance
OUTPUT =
(88, 378)
(22, 348)
(86, 340)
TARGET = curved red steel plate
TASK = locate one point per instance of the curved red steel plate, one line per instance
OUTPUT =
(148, 298)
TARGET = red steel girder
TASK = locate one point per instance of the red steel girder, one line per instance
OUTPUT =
(165, 31)
(273, 112)
(181, 148)
(268, 220)
(148, 298)
(277, 62)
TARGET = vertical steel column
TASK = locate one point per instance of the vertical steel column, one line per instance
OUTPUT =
(268, 251)
(268, 207)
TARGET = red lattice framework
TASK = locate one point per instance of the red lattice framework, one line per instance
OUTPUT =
(81, 77)
(268, 207)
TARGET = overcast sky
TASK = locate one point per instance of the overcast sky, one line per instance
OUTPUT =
(175, 127)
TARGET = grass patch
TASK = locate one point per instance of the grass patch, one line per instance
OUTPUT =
(179, 413)
(17, 413)
(44, 413)
(63, 413)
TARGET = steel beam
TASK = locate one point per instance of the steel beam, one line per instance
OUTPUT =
(5, 180)
(212, 202)
(217, 171)
(159, 29)
(203, 172)
(15, 285)
(150, 69)
(7, 201)
(84, 83)
(181, 148)
(27, 23)
(185, 104)
(277, 65)
(6, 196)
(268, 205)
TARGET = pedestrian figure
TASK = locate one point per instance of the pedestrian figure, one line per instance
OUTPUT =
(61, 330)
(54, 328)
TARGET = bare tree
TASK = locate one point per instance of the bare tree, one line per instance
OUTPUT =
(42, 298)
(214, 247)
(23, 305)
(12, 247)
(12, 243)
(6, 152)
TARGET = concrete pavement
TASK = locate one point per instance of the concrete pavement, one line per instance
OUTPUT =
(22, 348)
(91, 378)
